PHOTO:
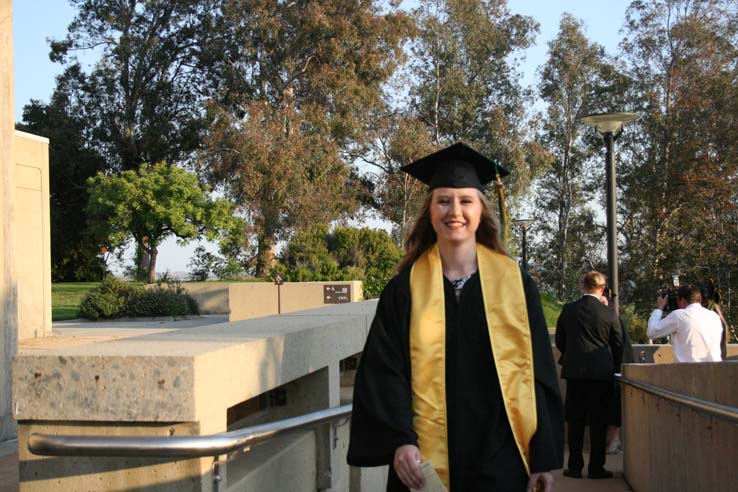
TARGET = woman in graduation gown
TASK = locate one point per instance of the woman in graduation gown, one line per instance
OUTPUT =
(457, 367)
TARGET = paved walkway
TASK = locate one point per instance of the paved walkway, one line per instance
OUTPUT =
(613, 463)
(9, 474)
(9, 466)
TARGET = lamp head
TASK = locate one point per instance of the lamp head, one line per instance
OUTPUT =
(609, 122)
(523, 223)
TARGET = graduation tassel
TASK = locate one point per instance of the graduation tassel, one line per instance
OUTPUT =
(502, 207)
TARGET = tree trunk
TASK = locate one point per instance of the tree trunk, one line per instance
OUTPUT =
(265, 253)
(151, 270)
(142, 260)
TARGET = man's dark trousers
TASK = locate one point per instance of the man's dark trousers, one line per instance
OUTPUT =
(587, 402)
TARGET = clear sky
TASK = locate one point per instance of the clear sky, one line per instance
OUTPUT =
(34, 21)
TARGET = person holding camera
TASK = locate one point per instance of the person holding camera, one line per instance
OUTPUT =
(695, 331)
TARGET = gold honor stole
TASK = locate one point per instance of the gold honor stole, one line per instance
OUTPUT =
(509, 335)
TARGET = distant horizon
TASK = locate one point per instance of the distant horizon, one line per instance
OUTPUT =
(35, 73)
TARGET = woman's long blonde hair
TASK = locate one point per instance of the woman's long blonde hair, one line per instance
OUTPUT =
(422, 236)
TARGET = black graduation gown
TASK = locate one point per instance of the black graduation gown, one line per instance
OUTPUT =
(482, 450)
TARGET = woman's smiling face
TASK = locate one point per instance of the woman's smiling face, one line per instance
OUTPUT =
(455, 214)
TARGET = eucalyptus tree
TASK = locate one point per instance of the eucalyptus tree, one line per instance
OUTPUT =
(574, 81)
(292, 83)
(466, 83)
(394, 139)
(683, 168)
(144, 89)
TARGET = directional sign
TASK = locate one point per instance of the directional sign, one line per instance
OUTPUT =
(336, 293)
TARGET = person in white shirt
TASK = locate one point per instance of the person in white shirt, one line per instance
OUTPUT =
(695, 331)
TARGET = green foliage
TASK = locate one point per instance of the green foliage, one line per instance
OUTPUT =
(201, 264)
(115, 298)
(635, 324)
(344, 254)
(109, 300)
(152, 204)
(169, 299)
(233, 261)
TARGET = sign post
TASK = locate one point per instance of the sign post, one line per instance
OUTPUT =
(278, 281)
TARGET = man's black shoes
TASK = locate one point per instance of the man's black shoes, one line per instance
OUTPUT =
(600, 474)
(593, 474)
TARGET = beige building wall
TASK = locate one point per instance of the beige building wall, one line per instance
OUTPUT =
(8, 309)
(32, 229)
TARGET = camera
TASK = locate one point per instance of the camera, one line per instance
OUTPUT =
(671, 294)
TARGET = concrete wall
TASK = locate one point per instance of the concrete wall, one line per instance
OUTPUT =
(664, 353)
(211, 297)
(33, 254)
(189, 382)
(668, 447)
(246, 300)
(8, 287)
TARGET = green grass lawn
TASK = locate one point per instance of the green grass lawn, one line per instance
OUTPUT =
(551, 308)
(65, 298)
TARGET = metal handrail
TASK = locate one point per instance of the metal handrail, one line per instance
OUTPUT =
(179, 446)
(724, 412)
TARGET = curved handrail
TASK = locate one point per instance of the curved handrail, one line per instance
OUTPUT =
(179, 446)
(716, 409)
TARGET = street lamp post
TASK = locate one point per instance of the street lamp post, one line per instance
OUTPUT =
(524, 224)
(610, 126)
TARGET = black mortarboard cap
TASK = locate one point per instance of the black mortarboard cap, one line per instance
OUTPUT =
(457, 166)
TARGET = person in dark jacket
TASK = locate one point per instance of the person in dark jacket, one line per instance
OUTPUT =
(589, 337)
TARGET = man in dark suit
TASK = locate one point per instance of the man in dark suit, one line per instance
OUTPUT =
(589, 338)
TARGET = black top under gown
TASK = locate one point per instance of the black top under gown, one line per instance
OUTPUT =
(482, 450)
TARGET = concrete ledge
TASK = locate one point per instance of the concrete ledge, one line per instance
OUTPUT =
(190, 381)
(185, 374)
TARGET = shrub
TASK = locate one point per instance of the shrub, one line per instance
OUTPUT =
(109, 300)
(169, 299)
(115, 298)
(157, 302)
(96, 305)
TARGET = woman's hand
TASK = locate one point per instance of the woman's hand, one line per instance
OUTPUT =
(539, 482)
(407, 466)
